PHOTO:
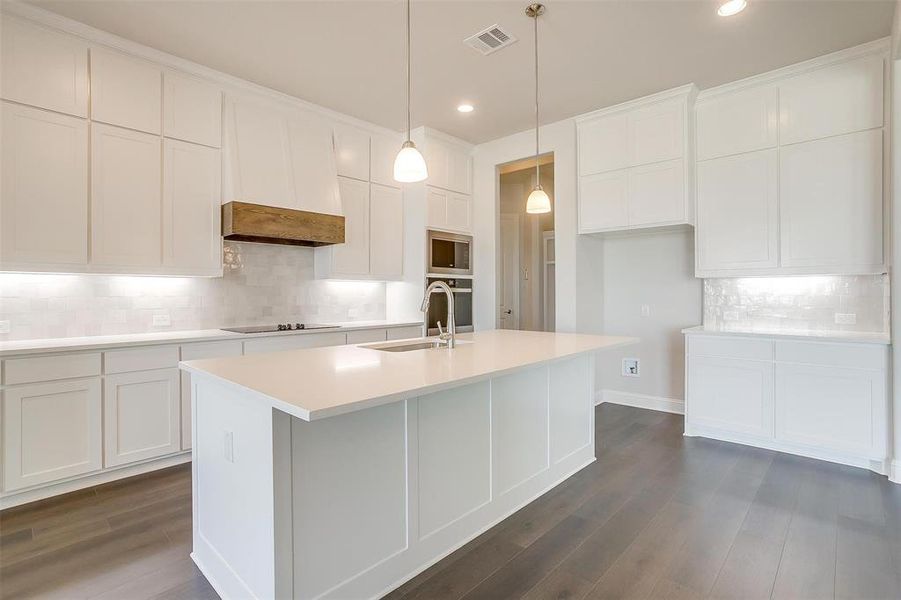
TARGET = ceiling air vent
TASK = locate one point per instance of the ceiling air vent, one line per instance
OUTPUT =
(491, 39)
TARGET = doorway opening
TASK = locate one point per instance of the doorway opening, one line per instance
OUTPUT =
(526, 267)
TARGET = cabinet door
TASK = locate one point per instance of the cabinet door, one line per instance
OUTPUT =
(294, 341)
(352, 152)
(602, 201)
(830, 101)
(737, 212)
(50, 431)
(656, 133)
(386, 217)
(352, 257)
(657, 194)
(831, 203)
(603, 144)
(459, 171)
(730, 395)
(260, 155)
(192, 110)
(126, 91)
(832, 408)
(383, 151)
(199, 351)
(44, 203)
(737, 122)
(126, 203)
(436, 208)
(437, 160)
(192, 238)
(313, 160)
(141, 412)
(459, 212)
(43, 68)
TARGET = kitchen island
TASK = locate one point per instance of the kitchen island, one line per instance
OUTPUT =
(341, 472)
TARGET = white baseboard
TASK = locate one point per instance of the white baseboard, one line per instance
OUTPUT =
(895, 472)
(670, 405)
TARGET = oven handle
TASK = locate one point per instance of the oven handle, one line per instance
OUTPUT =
(461, 290)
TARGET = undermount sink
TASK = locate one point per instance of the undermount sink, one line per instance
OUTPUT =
(409, 345)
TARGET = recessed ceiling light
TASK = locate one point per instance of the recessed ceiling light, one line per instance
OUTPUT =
(465, 108)
(731, 7)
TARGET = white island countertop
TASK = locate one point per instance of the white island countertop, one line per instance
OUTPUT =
(322, 382)
(855, 337)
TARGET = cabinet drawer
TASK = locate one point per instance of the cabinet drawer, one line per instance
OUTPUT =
(853, 356)
(140, 359)
(729, 347)
(404, 333)
(49, 368)
(366, 335)
(203, 350)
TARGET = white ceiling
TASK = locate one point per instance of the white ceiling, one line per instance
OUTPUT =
(349, 55)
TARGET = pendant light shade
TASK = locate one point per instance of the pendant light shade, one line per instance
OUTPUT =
(409, 166)
(538, 201)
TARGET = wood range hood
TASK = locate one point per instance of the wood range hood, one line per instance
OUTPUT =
(246, 222)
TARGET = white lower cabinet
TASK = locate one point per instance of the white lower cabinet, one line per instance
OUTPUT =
(838, 409)
(732, 394)
(200, 351)
(51, 431)
(821, 399)
(294, 342)
(142, 415)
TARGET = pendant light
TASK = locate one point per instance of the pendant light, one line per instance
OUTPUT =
(409, 166)
(538, 201)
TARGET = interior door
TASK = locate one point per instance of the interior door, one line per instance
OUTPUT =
(508, 280)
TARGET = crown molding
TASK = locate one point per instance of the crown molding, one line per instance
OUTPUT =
(98, 37)
(874, 48)
(688, 91)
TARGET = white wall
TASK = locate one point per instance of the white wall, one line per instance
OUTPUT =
(654, 269)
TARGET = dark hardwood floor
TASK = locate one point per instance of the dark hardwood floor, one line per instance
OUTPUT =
(657, 516)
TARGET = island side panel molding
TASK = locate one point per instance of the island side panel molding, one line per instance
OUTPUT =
(571, 414)
(519, 427)
(454, 455)
(350, 495)
(234, 517)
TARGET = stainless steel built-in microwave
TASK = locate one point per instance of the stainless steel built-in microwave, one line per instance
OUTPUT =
(450, 253)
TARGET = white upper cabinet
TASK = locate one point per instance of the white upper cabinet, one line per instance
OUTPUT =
(126, 202)
(449, 163)
(352, 257)
(737, 220)
(192, 178)
(635, 164)
(43, 68)
(352, 151)
(260, 155)
(448, 210)
(831, 202)
(386, 218)
(383, 149)
(736, 122)
(314, 169)
(807, 149)
(603, 144)
(192, 110)
(44, 201)
(832, 100)
(126, 91)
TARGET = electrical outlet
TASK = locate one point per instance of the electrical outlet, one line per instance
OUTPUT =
(845, 318)
(229, 446)
(162, 320)
(631, 367)
(645, 310)
(4, 326)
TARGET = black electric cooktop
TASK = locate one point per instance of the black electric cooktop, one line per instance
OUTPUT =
(278, 327)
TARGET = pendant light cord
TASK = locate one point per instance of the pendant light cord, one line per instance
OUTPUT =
(409, 71)
(537, 169)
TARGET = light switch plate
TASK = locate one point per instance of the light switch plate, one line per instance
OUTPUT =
(645, 310)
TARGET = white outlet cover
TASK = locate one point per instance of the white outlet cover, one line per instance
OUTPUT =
(845, 318)
(162, 320)
(4, 326)
(645, 310)
(631, 367)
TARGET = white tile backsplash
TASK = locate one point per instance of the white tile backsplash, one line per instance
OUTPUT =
(797, 304)
(261, 284)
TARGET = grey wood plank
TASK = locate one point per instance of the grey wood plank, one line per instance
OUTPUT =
(864, 566)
